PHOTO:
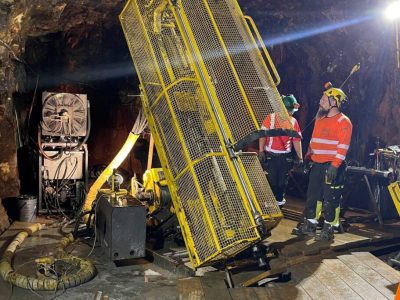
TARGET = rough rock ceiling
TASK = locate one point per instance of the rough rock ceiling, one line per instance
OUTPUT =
(83, 29)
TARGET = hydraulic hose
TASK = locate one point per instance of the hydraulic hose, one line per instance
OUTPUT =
(115, 163)
(87, 270)
(138, 127)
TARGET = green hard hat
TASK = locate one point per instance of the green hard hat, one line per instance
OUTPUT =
(290, 103)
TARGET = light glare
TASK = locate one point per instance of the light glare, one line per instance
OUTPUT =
(392, 12)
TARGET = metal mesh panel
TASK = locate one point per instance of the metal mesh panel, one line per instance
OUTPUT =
(195, 123)
(217, 221)
(230, 219)
(196, 218)
(204, 184)
(171, 144)
(141, 53)
(257, 84)
(260, 185)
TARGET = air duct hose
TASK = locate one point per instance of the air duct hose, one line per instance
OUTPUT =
(87, 270)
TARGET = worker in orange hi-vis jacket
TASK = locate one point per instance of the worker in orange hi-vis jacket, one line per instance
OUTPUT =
(329, 144)
(276, 151)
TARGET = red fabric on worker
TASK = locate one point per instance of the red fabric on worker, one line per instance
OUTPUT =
(279, 144)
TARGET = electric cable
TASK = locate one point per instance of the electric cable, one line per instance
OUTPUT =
(88, 129)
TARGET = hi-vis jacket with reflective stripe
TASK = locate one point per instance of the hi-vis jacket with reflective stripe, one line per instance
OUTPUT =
(331, 139)
(279, 144)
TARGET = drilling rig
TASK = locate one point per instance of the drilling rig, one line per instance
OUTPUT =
(207, 83)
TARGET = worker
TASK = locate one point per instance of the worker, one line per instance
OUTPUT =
(329, 144)
(276, 151)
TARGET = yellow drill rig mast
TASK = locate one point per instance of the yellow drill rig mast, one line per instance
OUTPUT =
(206, 90)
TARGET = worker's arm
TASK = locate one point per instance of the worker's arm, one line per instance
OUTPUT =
(307, 156)
(261, 144)
(298, 149)
(297, 141)
(265, 126)
(345, 132)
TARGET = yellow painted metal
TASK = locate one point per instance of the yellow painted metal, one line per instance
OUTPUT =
(264, 49)
(115, 163)
(206, 87)
(153, 180)
(394, 190)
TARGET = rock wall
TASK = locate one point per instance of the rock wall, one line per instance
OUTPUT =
(315, 43)
(9, 183)
(310, 43)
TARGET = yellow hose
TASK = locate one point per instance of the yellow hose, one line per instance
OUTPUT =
(87, 270)
(138, 127)
(116, 162)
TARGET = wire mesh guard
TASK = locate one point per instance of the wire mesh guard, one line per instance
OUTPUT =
(205, 85)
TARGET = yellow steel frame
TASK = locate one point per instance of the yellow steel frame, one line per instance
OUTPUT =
(394, 190)
(219, 110)
(209, 84)
(226, 238)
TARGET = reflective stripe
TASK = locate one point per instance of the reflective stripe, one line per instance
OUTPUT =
(342, 157)
(324, 141)
(324, 151)
(337, 187)
(269, 149)
(271, 139)
(343, 146)
(272, 125)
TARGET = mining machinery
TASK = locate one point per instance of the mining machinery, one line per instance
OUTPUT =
(207, 82)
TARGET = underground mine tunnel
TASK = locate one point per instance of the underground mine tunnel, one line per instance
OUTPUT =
(176, 149)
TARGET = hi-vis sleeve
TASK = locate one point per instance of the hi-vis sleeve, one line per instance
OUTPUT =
(344, 137)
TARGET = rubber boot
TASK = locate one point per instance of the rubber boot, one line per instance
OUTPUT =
(326, 233)
(305, 228)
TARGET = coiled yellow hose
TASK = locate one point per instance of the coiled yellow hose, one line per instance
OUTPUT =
(87, 269)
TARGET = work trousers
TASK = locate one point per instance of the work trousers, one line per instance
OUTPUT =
(319, 190)
(277, 167)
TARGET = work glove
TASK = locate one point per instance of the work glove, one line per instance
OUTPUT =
(331, 174)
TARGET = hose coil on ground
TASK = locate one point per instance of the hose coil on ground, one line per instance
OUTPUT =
(86, 269)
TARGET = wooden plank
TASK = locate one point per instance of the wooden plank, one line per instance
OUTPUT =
(379, 266)
(354, 280)
(214, 286)
(332, 281)
(268, 293)
(282, 233)
(347, 240)
(372, 233)
(190, 289)
(311, 284)
(243, 294)
(270, 273)
(304, 246)
(368, 274)
(292, 292)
